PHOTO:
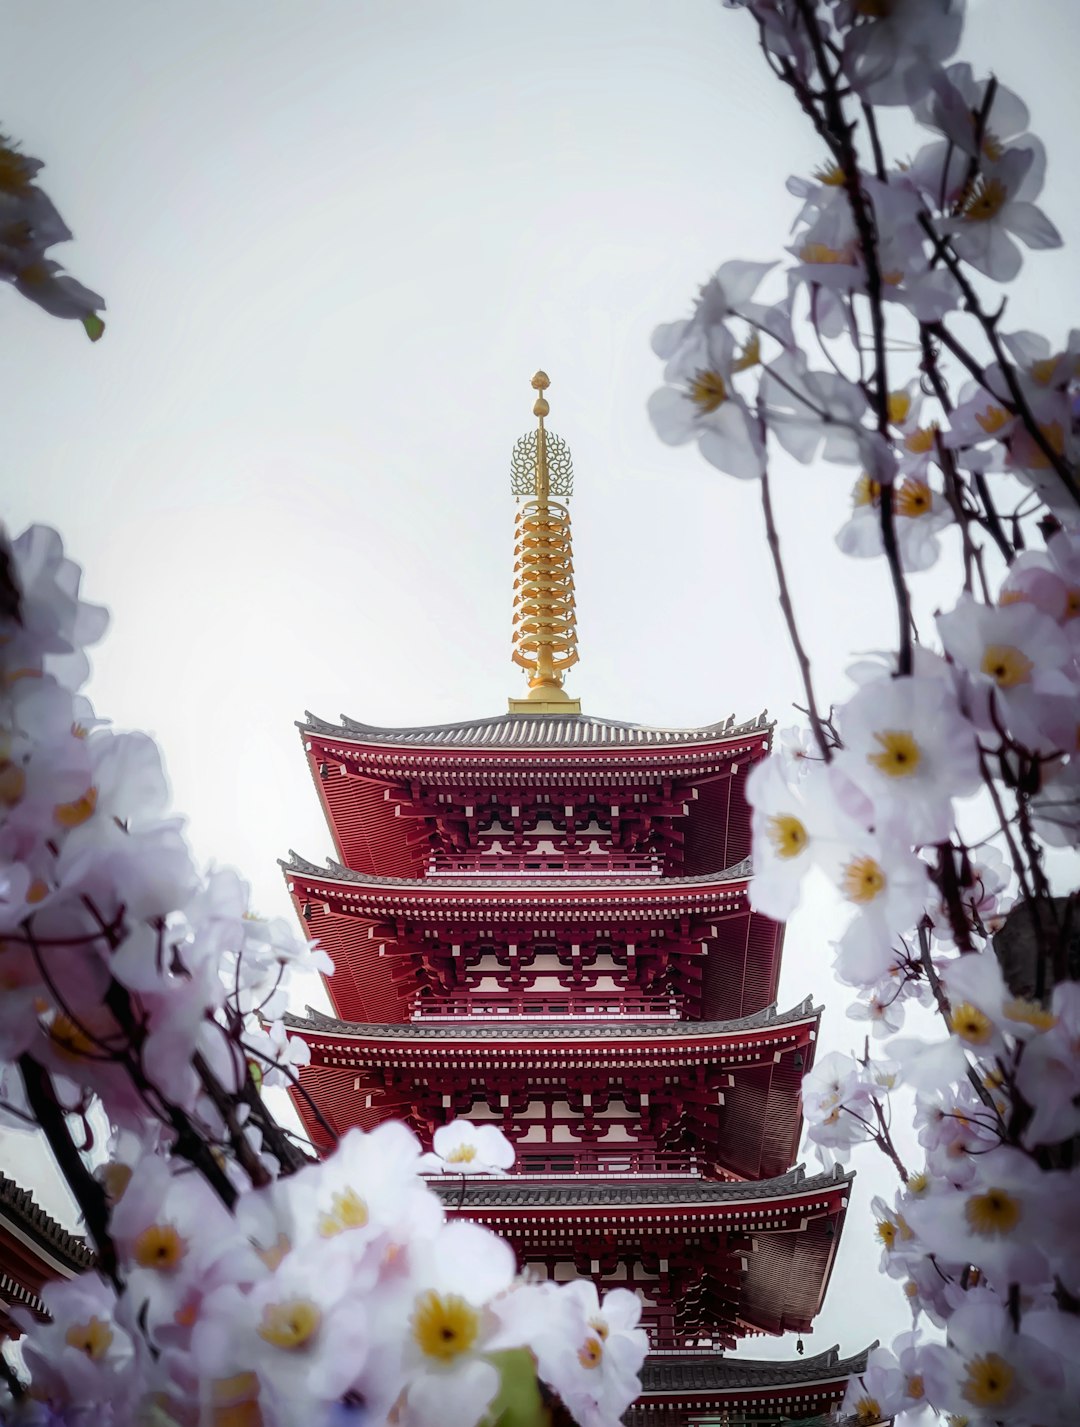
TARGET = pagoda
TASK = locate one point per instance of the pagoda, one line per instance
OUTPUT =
(541, 920)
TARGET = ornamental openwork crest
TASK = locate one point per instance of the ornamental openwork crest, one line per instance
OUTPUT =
(523, 464)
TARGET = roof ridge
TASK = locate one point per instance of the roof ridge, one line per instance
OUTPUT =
(22, 1204)
(528, 725)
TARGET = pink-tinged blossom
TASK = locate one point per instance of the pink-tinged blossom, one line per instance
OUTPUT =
(990, 1373)
(837, 1100)
(81, 1354)
(998, 209)
(700, 403)
(919, 513)
(592, 1351)
(813, 413)
(1048, 1074)
(998, 1220)
(892, 52)
(1017, 662)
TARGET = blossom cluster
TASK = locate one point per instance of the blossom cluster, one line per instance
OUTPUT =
(874, 349)
(237, 1279)
(29, 227)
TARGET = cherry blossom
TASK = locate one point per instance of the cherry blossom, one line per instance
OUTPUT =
(464, 1148)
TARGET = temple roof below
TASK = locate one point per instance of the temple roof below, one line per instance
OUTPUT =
(516, 1192)
(532, 731)
(592, 1029)
(717, 1371)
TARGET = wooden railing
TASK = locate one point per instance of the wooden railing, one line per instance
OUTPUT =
(627, 1163)
(597, 863)
(542, 1006)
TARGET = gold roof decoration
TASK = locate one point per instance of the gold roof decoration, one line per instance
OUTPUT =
(545, 624)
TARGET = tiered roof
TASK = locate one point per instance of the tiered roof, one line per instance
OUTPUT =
(33, 1249)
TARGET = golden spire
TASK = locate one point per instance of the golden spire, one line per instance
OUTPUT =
(545, 630)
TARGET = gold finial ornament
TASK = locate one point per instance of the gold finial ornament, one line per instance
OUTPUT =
(545, 625)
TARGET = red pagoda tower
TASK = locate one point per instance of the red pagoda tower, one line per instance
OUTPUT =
(541, 920)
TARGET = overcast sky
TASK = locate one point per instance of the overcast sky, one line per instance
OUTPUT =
(336, 239)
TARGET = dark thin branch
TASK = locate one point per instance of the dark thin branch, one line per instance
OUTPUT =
(801, 656)
(89, 1194)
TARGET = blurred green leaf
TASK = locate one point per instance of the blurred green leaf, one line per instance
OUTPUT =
(518, 1402)
(94, 326)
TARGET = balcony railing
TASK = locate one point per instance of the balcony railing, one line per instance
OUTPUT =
(560, 865)
(539, 1006)
(610, 1164)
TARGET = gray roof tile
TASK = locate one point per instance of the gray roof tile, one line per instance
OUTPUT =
(533, 731)
(478, 1030)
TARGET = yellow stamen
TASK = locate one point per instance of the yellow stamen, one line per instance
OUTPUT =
(886, 1232)
(990, 1381)
(707, 390)
(822, 253)
(830, 174)
(69, 1038)
(1030, 1013)
(12, 783)
(992, 419)
(290, 1325)
(592, 1354)
(986, 199)
(1043, 371)
(900, 755)
(92, 1338)
(347, 1211)
(600, 1328)
(969, 1023)
(444, 1325)
(750, 355)
(916, 1388)
(159, 1247)
(1006, 665)
(235, 1401)
(787, 835)
(866, 491)
(1072, 603)
(899, 406)
(37, 891)
(863, 880)
(273, 1255)
(914, 498)
(918, 1183)
(921, 440)
(994, 1212)
(462, 1154)
(867, 1411)
(75, 813)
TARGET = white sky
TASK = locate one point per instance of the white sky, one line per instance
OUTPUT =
(336, 240)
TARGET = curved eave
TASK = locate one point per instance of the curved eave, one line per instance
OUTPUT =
(514, 735)
(718, 1043)
(718, 1381)
(762, 1205)
(59, 1252)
